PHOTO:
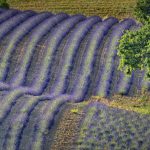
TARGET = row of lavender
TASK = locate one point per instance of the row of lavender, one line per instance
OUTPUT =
(27, 123)
(16, 108)
(113, 129)
(68, 53)
(97, 66)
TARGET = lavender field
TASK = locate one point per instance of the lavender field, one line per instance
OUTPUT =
(113, 129)
(47, 60)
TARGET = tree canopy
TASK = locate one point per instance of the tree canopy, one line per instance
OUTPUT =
(4, 4)
(142, 10)
(134, 46)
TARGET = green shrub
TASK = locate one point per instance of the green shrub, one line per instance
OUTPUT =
(75, 110)
(134, 46)
(134, 50)
(4, 4)
(142, 10)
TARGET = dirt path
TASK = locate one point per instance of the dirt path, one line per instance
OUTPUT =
(68, 127)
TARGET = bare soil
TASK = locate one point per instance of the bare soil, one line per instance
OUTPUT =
(68, 127)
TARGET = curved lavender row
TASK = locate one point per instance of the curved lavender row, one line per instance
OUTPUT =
(98, 67)
(36, 36)
(70, 48)
(5, 9)
(91, 110)
(20, 118)
(7, 26)
(17, 127)
(35, 62)
(4, 86)
(124, 83)
(16, 37)
(76, 63)
(2, 10)
(117, 31)
(51, 46)
(10, 98)
(19, 122)
(7, 102)
(11, 23)
(112, 128)
(35, 66)
(33, 39)
(82, 80)
(56, 62)
(8, 14)
(45, 119)
(19, 108)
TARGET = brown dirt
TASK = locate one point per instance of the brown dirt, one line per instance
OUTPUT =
(68, 128)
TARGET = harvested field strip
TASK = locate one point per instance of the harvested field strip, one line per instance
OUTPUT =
(118, 8)
(139, 103)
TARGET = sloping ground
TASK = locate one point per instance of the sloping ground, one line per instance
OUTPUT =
(118, 8)
(48, 60)
(67, 128)
(138, 103)
(95, 126)
(111, 128)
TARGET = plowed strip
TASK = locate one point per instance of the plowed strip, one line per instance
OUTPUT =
(68, 127)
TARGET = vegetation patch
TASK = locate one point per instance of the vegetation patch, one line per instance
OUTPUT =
(140, 104)
(105, 128)
(117, 8)
(4, 4)
(68, 126)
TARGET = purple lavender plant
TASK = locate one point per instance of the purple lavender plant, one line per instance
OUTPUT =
(16, 36)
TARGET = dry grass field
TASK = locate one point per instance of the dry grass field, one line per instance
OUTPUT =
(117, 8)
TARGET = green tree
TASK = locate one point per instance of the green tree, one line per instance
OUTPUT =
(142, 10)
(134, 46)
(4, 4)
(134, 50)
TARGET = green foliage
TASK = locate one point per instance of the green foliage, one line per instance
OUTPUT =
(4, 4)
(134, 46)
(74, 110)
(142, 10)
(134, 50)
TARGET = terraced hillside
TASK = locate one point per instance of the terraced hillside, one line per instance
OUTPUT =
(47, 60)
